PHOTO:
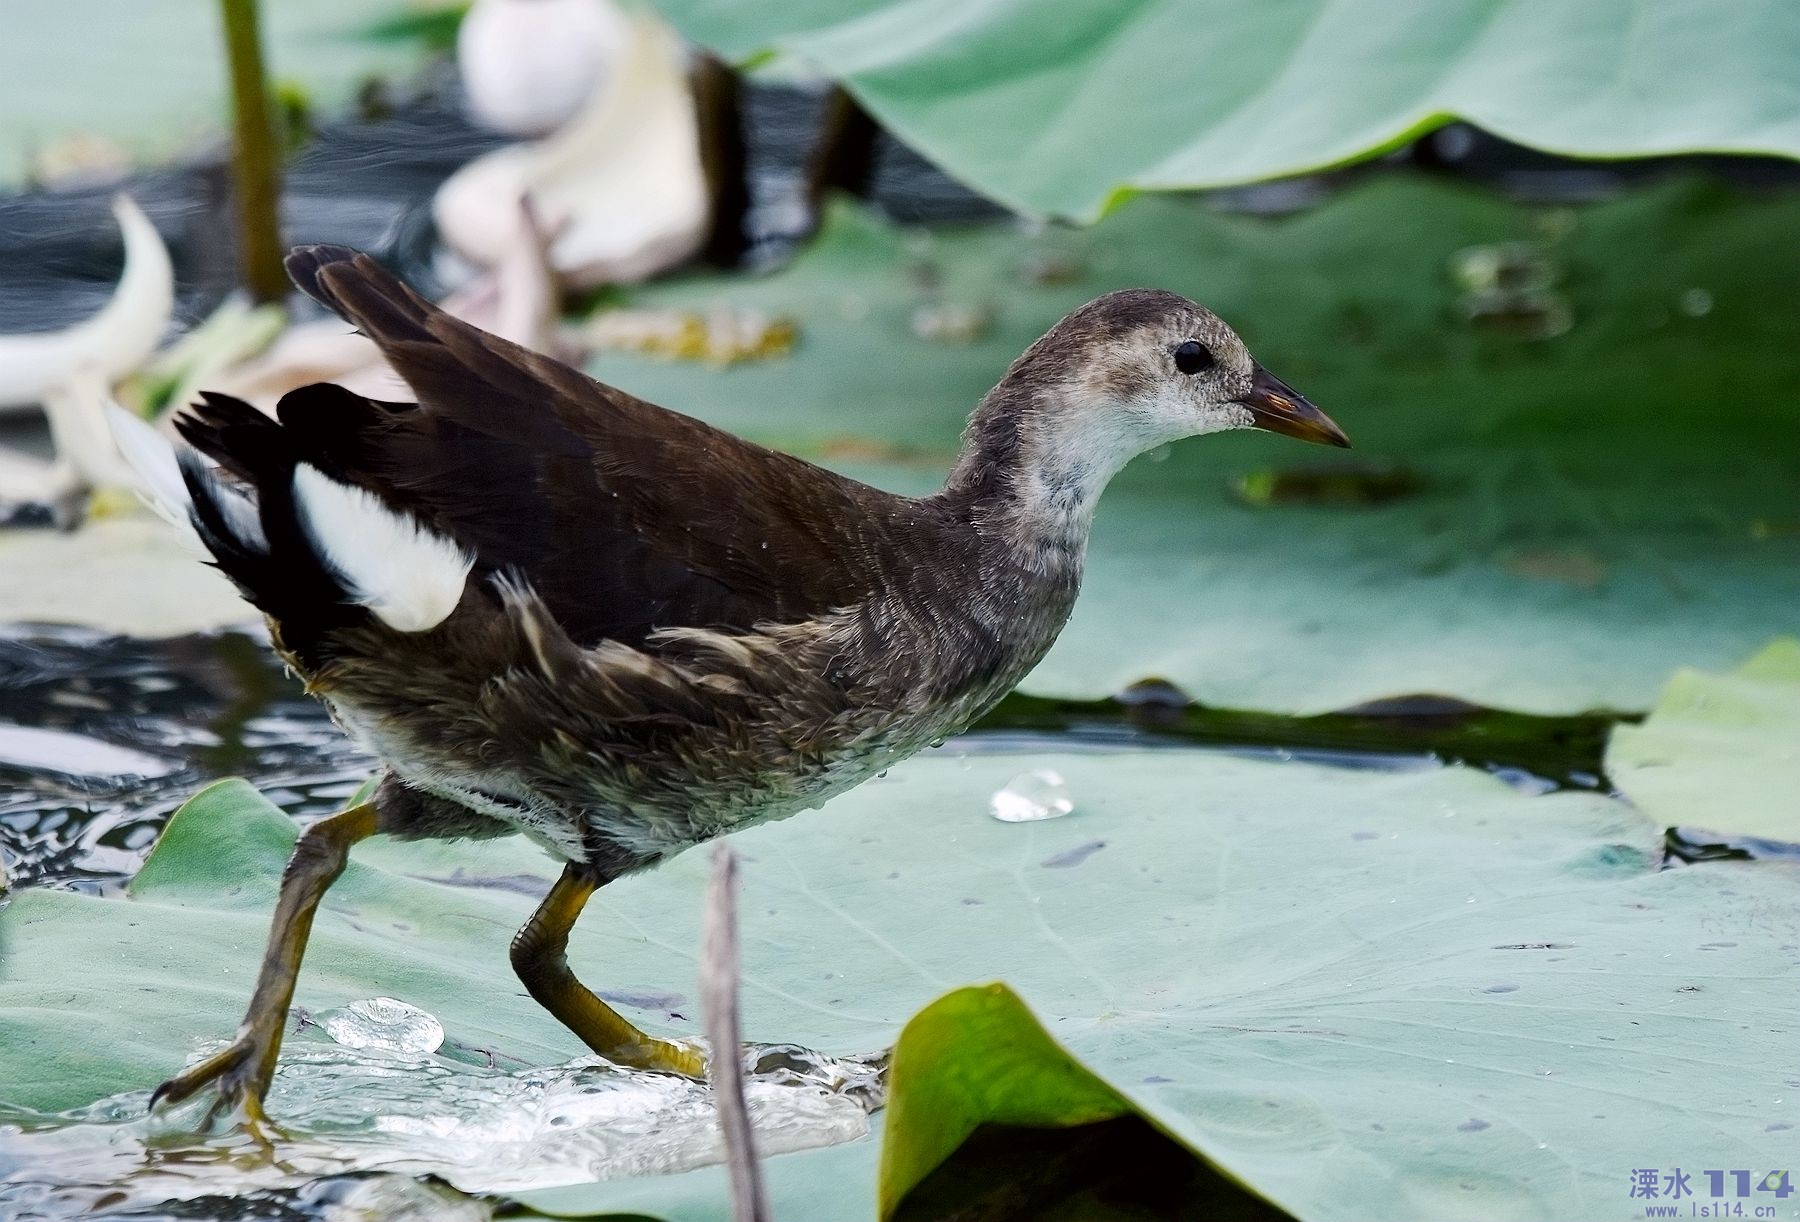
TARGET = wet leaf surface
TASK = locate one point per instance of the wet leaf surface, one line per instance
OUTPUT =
(1720, 753)
(1316, 977)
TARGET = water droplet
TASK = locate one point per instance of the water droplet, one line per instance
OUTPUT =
(1039, 794)
(382, 1022)
(1696, 303)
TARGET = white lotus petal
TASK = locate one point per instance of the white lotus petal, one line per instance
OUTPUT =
(81, 431)
(528, 65)
(114, 341)
(621, 187)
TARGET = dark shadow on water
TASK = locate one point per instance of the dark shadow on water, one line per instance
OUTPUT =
(1563, 752)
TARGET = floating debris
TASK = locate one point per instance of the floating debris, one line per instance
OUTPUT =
(77, 161)
(1507, 267)
(1532, 316)
(1032, 796)
(1573, 566)
(1696, 303)
(719, 337)
(951, 322)
(382, 1022)
(1510, 287)
(1339, 486)
(1048, 265)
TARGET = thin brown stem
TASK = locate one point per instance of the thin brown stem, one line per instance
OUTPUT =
(256, 168)
(719, 998)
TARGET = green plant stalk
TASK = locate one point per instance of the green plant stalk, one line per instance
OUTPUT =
(255, 167)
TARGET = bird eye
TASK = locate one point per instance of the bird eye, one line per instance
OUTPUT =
(1192, 357)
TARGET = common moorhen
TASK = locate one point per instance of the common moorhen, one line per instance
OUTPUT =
(552, 608)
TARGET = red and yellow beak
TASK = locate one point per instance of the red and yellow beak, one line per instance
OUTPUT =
(1279, 408)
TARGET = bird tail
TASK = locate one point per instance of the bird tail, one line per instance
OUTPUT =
(311, 552)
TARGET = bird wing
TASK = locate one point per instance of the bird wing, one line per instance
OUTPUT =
(624, 517)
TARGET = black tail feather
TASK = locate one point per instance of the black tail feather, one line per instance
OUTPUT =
(281, 574)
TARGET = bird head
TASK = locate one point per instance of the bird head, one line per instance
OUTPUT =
(1139, 368)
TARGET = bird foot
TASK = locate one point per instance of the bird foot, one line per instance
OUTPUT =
(240, 1073)
(682, 1057)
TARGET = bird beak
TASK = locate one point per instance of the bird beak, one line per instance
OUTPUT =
(1280, 408)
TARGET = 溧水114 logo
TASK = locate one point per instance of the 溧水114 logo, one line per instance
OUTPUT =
(1712, 1193)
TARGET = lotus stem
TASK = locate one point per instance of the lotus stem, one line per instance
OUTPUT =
(255, 164)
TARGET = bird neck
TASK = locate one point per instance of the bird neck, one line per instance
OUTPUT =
(1031, 472)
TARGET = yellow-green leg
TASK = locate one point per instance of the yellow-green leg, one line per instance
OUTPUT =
(241, 1073)
(538, 955)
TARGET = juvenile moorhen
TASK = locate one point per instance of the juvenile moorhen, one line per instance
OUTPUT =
(552, 608)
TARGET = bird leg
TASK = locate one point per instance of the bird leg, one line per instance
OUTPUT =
(242, 1071)
(538, 956)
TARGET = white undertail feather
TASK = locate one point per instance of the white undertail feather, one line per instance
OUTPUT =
(408, 575)
(158, 466)
(152, 457)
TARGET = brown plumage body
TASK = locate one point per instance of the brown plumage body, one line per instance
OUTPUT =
(550, 607)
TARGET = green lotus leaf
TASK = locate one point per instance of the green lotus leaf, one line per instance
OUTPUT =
(1720, 752)
(1059, 110)
(1416, 994)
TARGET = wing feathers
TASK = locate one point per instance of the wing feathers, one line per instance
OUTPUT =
(625, 518)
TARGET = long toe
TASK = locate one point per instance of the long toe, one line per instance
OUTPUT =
(240, 1075)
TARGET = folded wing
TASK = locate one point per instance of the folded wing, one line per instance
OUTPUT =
(624, 517)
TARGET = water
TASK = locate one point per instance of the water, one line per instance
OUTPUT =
(386, 1024)
(1032, 796)
(102, 738)
(345, 1110)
